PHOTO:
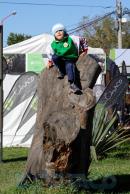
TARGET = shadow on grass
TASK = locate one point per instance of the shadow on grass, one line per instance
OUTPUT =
(110, 184)
(15, 159)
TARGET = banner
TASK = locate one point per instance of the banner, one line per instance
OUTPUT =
(19, 110)
(114, 91)
(29, 112)
(23, 88)
(98, 90)
(34, 62)
(28, 136)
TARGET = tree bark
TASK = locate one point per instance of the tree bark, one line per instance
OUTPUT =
(61, 141)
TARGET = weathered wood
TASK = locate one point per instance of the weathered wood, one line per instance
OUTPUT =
(62, 133)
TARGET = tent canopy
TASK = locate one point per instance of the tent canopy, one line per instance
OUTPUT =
(38, 44)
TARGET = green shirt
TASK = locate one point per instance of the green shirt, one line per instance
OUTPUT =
(65, 48)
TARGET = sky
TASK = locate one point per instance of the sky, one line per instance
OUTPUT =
(38, 19)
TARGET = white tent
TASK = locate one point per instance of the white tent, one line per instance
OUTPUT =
(31, 51)
(13, 116)
(36, 44)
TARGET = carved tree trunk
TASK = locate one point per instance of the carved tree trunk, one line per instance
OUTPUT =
(63, 131)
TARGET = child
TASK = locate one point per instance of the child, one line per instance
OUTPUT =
(64, 52)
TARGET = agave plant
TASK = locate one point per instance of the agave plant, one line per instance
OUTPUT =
(104, 135)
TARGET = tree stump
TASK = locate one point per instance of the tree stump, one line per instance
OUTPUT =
(62, 133)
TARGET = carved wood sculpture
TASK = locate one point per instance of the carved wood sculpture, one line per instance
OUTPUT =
(62, 132)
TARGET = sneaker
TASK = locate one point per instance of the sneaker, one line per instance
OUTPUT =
(60, 75)
(74, 88)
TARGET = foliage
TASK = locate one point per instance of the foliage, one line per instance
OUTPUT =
(104, 135)
(126, 35)
(103, 34)
(14, 38)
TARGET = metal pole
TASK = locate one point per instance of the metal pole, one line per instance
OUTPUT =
(119, 22)
(1, 93)
(1, 83)
(6, 17)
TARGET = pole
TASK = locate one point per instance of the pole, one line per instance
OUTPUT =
(119, 22)
(6, 17)
(1, 93)
(1, 83)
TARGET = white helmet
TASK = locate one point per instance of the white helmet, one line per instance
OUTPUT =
(58, 27)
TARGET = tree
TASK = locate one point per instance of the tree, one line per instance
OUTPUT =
(103, 34)
(14, 38)
(61, 141)
(126, 35)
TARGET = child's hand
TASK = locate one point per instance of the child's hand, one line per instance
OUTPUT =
(49, 64)
(83, 53)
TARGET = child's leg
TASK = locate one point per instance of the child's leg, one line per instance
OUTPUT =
(59, 63)
(70, 71)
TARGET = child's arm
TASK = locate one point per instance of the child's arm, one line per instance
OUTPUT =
(49, 52)
(83, 45)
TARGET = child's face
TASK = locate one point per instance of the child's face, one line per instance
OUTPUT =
(59, 35)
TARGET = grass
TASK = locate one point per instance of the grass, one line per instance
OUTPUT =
(114, 168)
(12, 168)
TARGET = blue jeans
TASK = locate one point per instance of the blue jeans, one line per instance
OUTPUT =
(65, 66)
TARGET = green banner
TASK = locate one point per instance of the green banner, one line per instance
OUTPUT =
(34, 62)
(112, 54)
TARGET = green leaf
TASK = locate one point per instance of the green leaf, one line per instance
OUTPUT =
(102, 141)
